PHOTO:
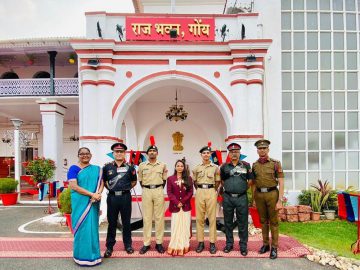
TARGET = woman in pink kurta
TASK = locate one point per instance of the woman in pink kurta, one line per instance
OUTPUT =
(180, 191)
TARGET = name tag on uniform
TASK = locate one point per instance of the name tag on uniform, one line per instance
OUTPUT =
(121, 170)
(243, 170)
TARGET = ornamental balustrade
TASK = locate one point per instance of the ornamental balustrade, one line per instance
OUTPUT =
(39, 87)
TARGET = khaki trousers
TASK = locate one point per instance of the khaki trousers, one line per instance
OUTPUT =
(153, 205)
(266, 203)
(205, 203)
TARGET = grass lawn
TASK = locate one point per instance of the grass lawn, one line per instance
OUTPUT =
(334, 236)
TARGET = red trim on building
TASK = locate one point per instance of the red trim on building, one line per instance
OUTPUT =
(217, 74)
(128, 74)
(204, 62)
(249, 51)
(162, 73)
(97, 68)
(232, 137)
(100, 138)
(94, 51)
(246, 67)
(101, 60)
(105, 82)
(193, 53)
(88, 82)
(140, 62)
(256, 81)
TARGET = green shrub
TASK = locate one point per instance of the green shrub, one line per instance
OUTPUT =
(8, 185)
(304, 197)
(65, 201)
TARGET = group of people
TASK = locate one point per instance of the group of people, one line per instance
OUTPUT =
(231, 180)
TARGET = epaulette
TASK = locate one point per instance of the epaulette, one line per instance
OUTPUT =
(108, 163)
(245, 163)
(274, 160)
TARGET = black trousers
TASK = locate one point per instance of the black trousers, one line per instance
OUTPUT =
(240, 206)
(115, 205)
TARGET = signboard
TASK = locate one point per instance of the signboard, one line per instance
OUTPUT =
(187, 29)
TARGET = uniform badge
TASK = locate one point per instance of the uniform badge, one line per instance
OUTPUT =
(121, 170)
(110, 172)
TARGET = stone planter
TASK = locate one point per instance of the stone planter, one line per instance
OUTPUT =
(329, 214)
(304, 209)
(292, 218)
(304, 217)
(315, 216)
(291, 210)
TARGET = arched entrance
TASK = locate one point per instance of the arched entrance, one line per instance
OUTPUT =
(143, 105)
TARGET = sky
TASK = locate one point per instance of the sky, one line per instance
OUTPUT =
(51, 18)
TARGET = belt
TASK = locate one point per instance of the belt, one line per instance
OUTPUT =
(205, 186)
(264, 190)
(119, 193)
(235, 195)
(152, 186)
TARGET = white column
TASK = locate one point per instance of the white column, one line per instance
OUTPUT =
(17, 155)
(246, 95)
(52, 114)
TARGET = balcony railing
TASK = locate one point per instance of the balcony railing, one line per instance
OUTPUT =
(39, 87)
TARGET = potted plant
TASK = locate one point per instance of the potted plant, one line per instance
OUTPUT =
(317, 203)
(41, 168)
(7, 191)
(330, 203)
(65, 206)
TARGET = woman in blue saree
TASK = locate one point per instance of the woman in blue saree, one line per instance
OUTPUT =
(86, 187)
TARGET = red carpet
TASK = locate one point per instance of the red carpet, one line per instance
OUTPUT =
(62, 248)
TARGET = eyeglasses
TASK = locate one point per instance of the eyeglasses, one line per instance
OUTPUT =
(84, 154)
(119, 151)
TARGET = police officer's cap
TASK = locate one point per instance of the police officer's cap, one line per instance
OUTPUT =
(206, 148)
(152, 147)
(234, 146)
(118, 146)
(262, 143)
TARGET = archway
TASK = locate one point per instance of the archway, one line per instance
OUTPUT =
(9, 75)
(41, 75)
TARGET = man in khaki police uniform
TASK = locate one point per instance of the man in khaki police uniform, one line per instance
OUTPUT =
(207, 180)
(152, 175)
(268, 198)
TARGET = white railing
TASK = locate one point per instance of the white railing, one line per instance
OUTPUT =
(39, 87)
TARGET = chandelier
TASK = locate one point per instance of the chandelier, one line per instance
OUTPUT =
(26, 138)
(74, 138)
(175, 112)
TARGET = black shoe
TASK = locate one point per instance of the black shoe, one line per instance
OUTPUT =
(144, 249)
(108, 253)
(228, 248)
(273, 253)
(160, 248)
(129, 250)
(243, 251)
(212, 248)
(200, 247)
(264, 249)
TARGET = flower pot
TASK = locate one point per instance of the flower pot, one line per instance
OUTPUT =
(315, 216)
(68, 221)
(255, 217)
(9, 198)
(329, 214)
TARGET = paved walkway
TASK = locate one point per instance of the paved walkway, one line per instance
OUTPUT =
(11, 218)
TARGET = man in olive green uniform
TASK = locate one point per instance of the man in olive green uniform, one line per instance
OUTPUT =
(236, 177)
(152, 175)
(268, 176)
(206, 179)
